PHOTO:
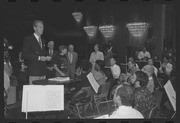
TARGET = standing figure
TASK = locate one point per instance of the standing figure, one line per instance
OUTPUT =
(72, 60)
(143, 55)
(50, 64)
(34, 52)
(60, 62)
(96, 55)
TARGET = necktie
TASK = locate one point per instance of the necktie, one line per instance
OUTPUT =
(70, 57)
(51, 52)
(40, 43)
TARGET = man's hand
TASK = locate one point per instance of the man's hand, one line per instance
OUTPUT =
(48, 58)
(43, 58)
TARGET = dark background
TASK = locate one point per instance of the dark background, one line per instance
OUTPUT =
(61, 27)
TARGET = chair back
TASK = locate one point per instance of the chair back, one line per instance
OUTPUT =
(152, 110)
(85, 94)
(104, 90)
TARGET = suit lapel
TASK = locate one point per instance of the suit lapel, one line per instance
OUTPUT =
(36, 42)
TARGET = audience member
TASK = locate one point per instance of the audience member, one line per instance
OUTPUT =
(72, 60)
(143, 97)
(96, 55)
(143, 55)
(60, 62)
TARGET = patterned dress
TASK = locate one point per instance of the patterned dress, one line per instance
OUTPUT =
(143, 101)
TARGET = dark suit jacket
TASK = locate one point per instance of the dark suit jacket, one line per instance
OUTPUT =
(72, 66)
(30, 52)
(74, 60)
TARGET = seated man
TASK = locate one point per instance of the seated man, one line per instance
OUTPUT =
(115, 69)
(131, 70)
(143, 97)
(150, 62)
(166, 67)
(132, 67)
(124, 98)
(131, 59)
(144, 54)
(149, 70)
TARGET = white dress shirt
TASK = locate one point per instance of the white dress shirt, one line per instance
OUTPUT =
(124, 112)
(150, 85)
(155, 70)
(142, 55)
(6, 81)
(37, 37)
(116, 71)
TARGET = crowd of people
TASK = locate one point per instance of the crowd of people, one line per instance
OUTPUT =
(132, 91)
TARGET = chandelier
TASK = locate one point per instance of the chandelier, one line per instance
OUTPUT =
(107, 30)
(137, 28)
(90, 30)
(77, 16)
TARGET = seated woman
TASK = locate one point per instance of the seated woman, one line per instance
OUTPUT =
(98, 72)
(143, 98)
(60, 62)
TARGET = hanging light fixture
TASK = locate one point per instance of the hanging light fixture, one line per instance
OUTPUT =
(90, 30)
(107, 30)
(77, 16)
(137, 28)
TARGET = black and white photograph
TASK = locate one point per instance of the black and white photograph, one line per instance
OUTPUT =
(89, 60)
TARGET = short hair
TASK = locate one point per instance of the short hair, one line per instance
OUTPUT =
(133, 62)
(37, 21)
(70, 45)
(101, 64)
(50, 43)
(142, 77)
(110, 42)
(126, 93)
(149, 69)
(62, 47)
(97, 45)
(85, 65)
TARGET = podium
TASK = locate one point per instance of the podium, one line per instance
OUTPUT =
(37, 98)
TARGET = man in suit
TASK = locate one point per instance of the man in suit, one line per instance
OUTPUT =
(50, 64)
(72, 59)
(34, 52)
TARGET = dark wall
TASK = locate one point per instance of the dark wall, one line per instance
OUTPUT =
(58, 20)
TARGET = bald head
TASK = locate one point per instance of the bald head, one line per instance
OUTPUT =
(148, 69)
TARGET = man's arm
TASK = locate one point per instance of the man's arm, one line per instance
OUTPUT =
(27, 53)
(139, 56)
(76, 58)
